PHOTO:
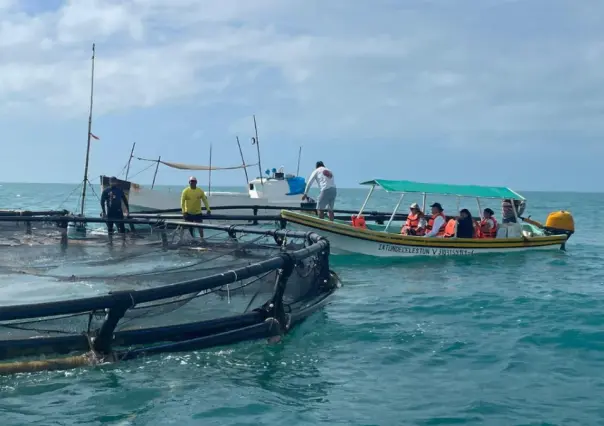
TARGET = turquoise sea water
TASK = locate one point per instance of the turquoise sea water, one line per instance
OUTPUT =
(512, 339)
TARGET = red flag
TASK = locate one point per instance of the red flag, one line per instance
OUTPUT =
(96, 137)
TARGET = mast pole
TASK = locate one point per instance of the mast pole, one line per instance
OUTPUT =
(247, 179)
(258, 148)
(299, 156)
(210, 173)
(89, 131)
(130, 160)
(155, 174)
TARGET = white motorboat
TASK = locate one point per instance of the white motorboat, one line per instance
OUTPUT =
(277, 189)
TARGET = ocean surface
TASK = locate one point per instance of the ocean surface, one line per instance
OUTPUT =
(513, 339)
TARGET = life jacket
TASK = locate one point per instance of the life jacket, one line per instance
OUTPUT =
(488, 233)
(358, 222)
(450, 228)
(412, 224)
(441, 231)
(412, 221)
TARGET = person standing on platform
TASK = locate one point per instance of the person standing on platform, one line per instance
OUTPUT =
(327, 185)
(190, 203)
(111, 205)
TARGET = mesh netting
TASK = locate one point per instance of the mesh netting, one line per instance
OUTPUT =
(230, 272)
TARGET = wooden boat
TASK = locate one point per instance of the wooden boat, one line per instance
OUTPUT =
(387, 241)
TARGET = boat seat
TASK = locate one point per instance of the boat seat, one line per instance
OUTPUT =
(514, 230)
(509, 230)
(502, 231)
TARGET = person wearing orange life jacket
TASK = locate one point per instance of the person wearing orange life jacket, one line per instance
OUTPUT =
(436, 223)
(416, 222)
(358, 222)
(488, 225)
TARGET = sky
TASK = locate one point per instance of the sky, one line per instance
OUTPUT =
(493, 92)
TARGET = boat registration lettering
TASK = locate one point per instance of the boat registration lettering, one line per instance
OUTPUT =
(452, 252)
(425, 251)
(404, 249)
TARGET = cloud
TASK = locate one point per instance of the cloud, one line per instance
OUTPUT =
(458, 73)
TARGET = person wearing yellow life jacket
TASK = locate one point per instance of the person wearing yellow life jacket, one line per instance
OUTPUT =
(436, 223)
(488, 225)
(416, 222)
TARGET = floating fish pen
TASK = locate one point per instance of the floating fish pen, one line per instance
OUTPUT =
(239, 283)
(221, 213)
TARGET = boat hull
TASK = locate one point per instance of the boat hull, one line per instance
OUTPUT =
(344, 239)
(148, 200)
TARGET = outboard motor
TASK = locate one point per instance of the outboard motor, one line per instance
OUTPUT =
(557, 223)
(560, 223)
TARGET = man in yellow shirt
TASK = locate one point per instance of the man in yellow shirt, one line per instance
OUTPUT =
(190, 203)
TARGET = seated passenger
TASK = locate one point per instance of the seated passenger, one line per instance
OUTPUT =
(465, 224)
(436, 223)
(507, 210)
(416, 222)
(451, 228)
(488, 225)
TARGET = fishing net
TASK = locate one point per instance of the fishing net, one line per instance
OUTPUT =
(117, 294)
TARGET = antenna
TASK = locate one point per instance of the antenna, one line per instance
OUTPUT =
(299, 156)
(210, 173)
(89, 134)
(258, 148)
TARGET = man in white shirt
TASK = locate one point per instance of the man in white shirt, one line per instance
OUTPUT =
(437, 223)
(327, 185)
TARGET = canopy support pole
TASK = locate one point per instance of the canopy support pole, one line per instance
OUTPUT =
(479, 208)
(366, 200)
(400, 200)
(424, 203)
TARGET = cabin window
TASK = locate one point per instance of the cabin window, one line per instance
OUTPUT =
(251, 186)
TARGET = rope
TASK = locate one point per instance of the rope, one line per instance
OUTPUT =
(70, 194)
(143, 170)
(228, 291)
(93, 191)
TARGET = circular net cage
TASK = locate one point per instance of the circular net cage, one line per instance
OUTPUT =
(70, 287)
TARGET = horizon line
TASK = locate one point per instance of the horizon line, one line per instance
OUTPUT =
(343, 187)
